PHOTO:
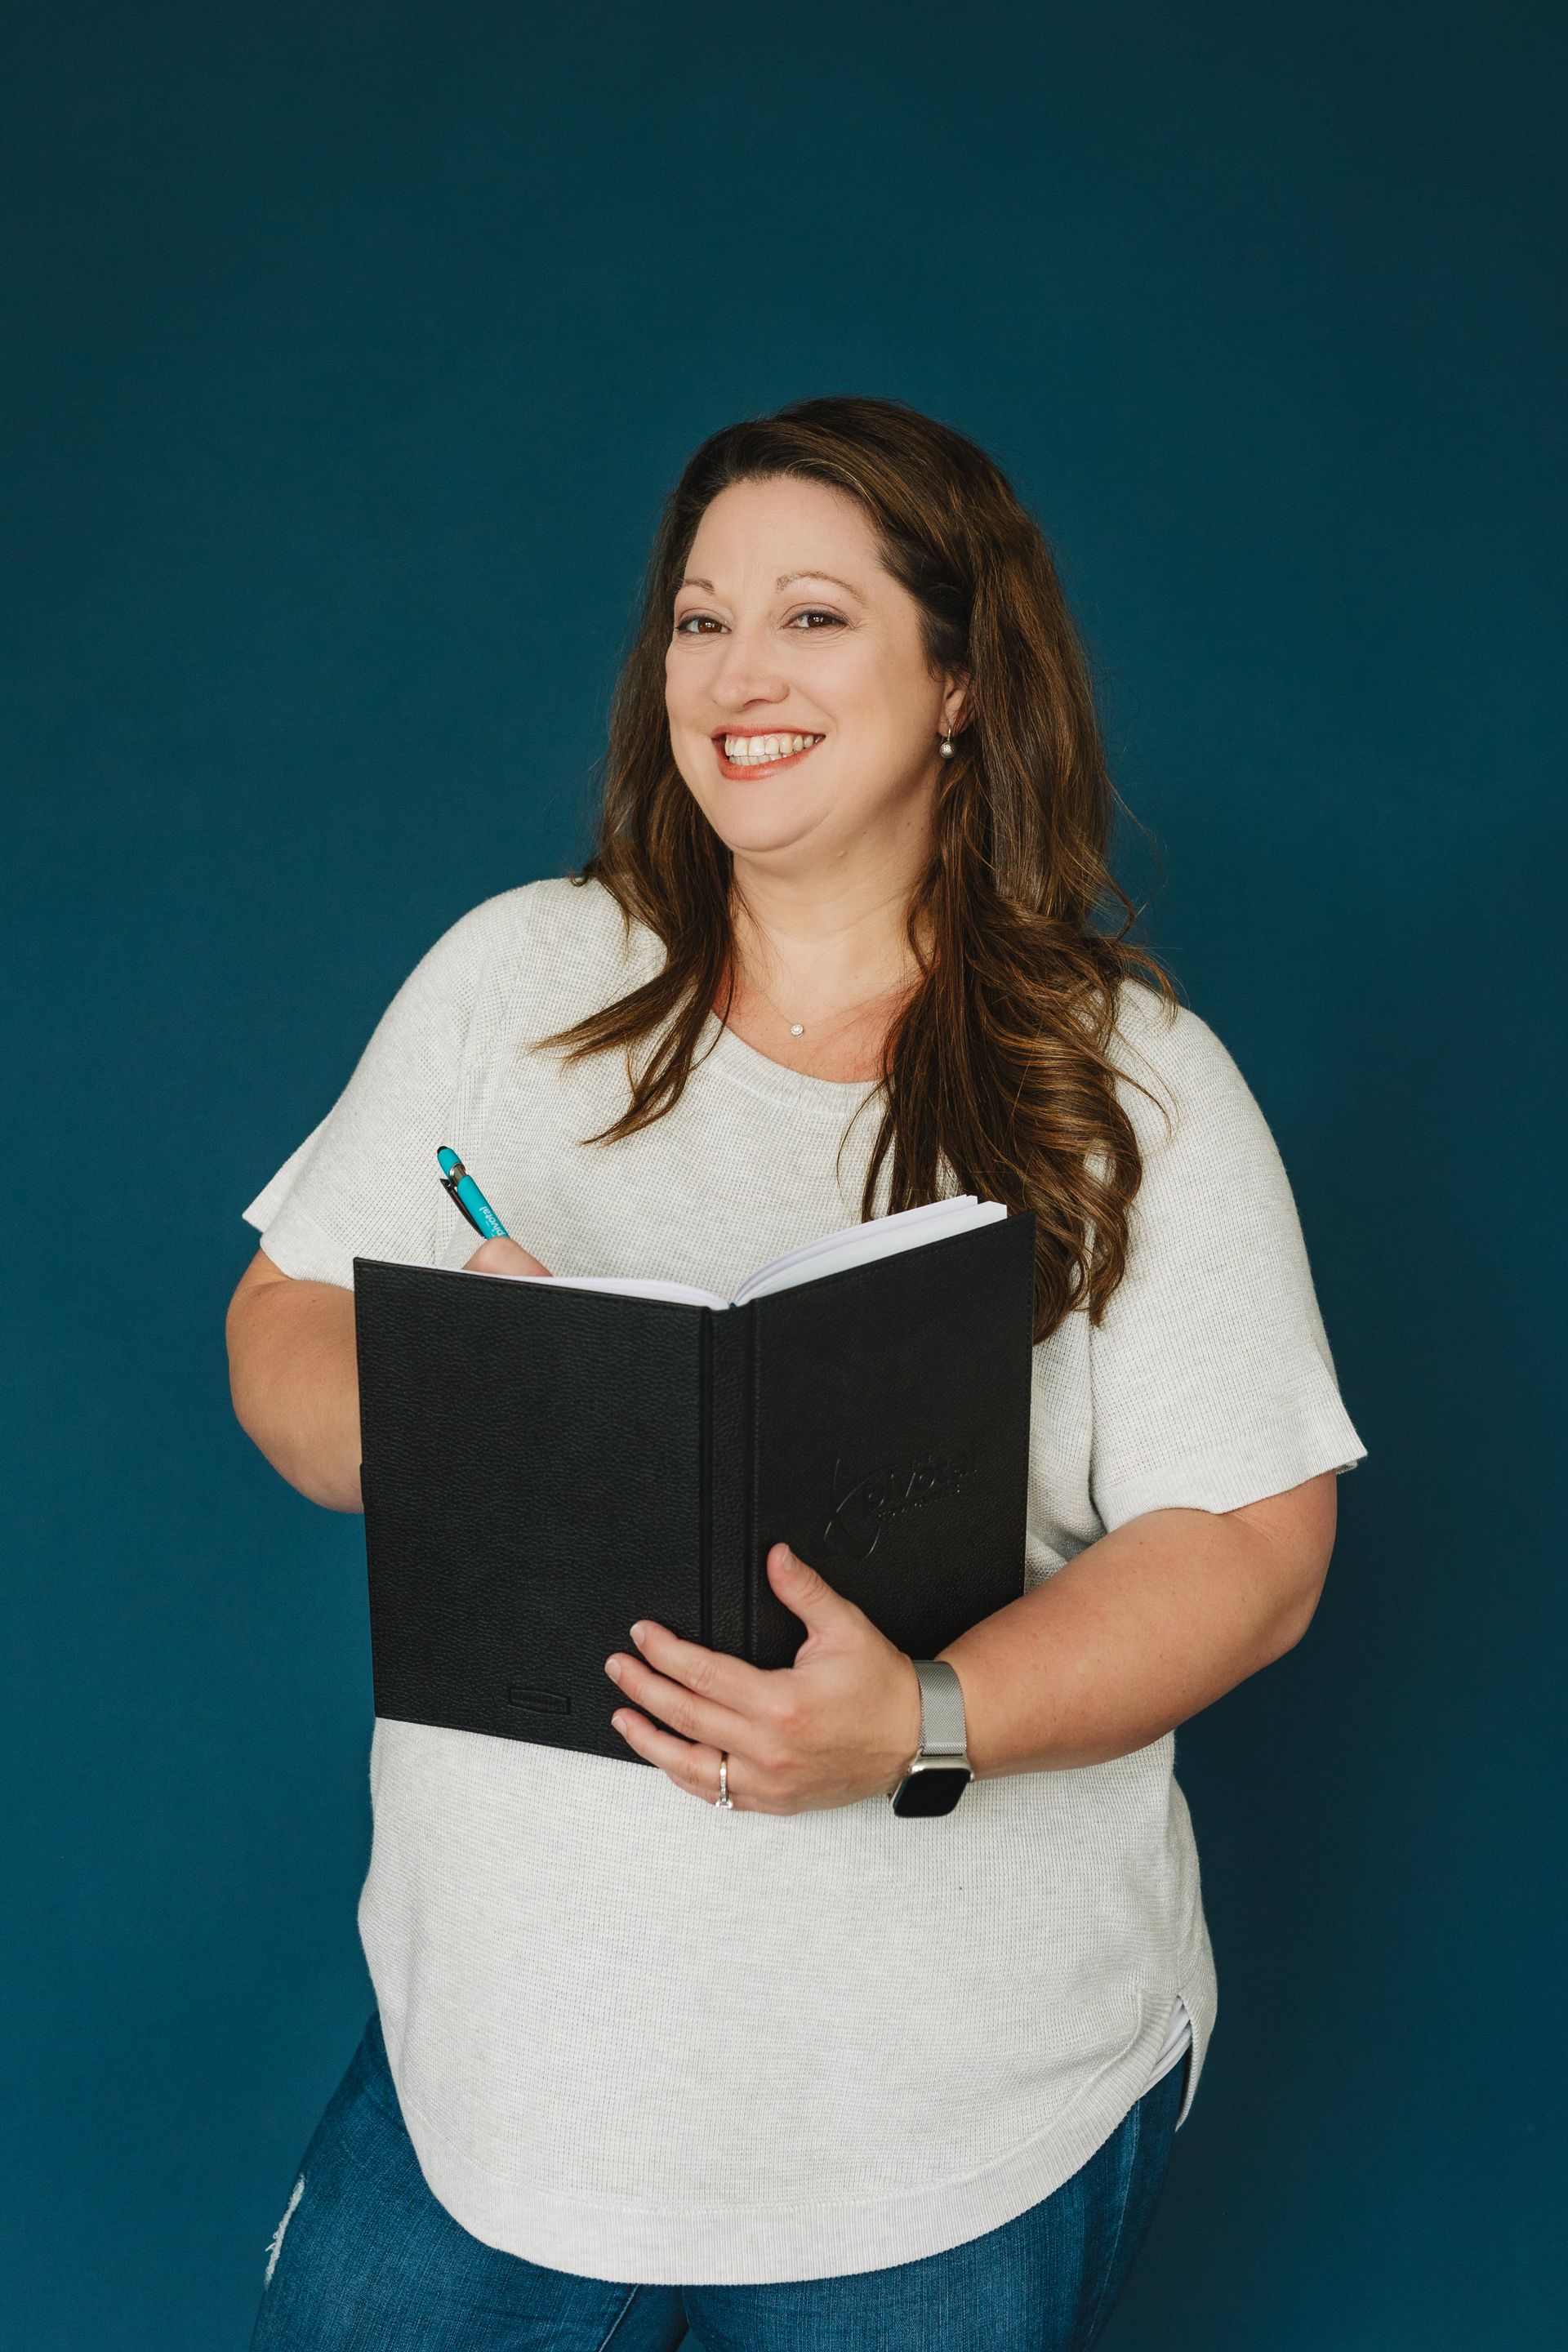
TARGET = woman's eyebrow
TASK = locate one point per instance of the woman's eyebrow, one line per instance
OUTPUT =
(786, 579)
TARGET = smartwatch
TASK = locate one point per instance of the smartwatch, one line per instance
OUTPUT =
(939, 1772)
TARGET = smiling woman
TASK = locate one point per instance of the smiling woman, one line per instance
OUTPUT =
(858, 573)
(770, 679)
(806, 2069)
(838, 695)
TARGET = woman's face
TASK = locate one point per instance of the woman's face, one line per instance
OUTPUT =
(803, 712)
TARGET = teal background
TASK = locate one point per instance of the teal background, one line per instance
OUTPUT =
(350, 350)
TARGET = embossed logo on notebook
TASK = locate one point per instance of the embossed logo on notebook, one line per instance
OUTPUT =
(542, 1702)
(861, 1510)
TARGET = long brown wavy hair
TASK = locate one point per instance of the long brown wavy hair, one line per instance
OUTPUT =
(997, 1071)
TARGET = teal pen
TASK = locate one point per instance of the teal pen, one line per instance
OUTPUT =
(456, 1180)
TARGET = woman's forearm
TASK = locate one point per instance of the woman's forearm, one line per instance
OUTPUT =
(1140, 1631)
(295, 1380)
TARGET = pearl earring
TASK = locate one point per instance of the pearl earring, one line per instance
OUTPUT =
(944, 749)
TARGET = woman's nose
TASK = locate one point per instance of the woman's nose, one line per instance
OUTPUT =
(747, 672)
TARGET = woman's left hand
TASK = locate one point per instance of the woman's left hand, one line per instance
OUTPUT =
(840, 1723)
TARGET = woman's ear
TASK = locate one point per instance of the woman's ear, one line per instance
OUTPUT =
(955, 702)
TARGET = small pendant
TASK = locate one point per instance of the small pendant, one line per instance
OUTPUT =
(797, 1028)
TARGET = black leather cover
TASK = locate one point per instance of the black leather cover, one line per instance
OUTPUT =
(542, 1466)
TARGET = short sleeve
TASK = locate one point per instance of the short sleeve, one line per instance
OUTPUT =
(363, 1182)
(1211, 1377)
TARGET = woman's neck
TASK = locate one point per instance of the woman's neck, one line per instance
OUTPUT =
(820, 970)
(825, 948)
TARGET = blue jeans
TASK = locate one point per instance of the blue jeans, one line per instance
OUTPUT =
(367, 2258)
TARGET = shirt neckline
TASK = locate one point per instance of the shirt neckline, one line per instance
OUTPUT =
(720, 1049)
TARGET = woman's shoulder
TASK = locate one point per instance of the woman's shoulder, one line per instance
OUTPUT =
(1171, 1065)
(551, 940)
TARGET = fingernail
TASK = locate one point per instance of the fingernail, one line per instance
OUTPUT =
(639, 1630)
(613, 1668)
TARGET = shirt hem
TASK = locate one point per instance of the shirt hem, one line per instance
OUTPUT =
(658, 2245)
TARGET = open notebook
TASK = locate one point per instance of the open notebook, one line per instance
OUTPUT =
(547, 1457)
(830, 1253)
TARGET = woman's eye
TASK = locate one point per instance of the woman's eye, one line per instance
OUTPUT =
(697, 625)
(815, 618)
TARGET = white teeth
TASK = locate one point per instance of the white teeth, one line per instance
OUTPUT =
(756, 750)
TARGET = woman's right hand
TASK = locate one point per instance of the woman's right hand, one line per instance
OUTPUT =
(502, 1257)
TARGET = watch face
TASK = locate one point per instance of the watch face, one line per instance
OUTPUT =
(935, 1789)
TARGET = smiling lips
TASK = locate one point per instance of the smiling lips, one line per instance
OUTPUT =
(743, 755)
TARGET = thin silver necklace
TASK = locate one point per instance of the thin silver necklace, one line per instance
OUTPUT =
(797, 1028)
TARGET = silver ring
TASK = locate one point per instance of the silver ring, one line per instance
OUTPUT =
(723, 1797)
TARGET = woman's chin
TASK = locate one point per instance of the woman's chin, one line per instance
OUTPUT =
(748, 829)
(779, 844)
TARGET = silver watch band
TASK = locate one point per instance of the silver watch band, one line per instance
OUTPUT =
(941, 1708)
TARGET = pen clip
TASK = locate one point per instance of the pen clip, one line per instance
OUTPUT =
(450, 1185)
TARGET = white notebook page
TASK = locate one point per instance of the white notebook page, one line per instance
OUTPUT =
(881, 1237)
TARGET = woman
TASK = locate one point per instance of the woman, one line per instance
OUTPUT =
(820, 2074)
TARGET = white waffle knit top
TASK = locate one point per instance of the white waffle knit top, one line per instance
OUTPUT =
(638, 2038)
